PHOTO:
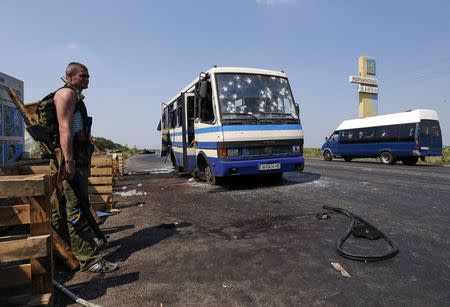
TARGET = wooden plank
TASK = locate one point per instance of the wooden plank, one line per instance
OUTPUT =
(31, 108)
(100, 180)
(64, 251)
(24, 185)
(41, 300)
(97, 171)
(42, 275)
(31, 247)
(102, 206)
(14, 215)
(36, 169)
(40, 215)
(100, 189)
(100, 198)
(101, 161)
(16, 275)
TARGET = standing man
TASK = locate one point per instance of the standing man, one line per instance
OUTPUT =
(74, 140)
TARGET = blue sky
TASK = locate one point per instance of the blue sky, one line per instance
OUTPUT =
(141, 53)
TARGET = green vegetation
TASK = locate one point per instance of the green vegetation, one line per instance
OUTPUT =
(312, 153)
(108, 144)
(445, 159)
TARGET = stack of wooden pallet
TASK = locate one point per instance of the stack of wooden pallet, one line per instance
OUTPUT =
(26, 267)
(100, 182)
(118, 165)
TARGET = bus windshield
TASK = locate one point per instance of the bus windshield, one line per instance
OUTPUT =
(253, 96)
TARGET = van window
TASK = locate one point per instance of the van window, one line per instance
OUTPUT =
(365, 135)
(406, 132)
(430, 128)
(387, 133)
(347, 136)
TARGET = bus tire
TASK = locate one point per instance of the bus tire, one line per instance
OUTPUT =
(347, 159)
(209, 176)
(327, 156)
(410, 160)
(387, 158)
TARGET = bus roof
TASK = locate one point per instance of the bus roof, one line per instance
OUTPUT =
(241, 70)
(413, 116)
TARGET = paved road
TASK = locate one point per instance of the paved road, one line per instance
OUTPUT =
(256, 243)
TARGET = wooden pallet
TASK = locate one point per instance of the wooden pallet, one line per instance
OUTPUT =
(118, 166)
(101, 182)
(26, 264)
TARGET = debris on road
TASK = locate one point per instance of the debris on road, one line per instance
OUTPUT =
(139, 185)
(131, 193)
(339, 268)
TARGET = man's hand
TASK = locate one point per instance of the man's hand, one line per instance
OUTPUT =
(69, 169)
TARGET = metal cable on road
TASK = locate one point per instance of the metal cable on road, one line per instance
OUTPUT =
(361, 228)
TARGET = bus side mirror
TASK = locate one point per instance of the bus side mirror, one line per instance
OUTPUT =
(326, 139)
(297, 109)
(203, 91)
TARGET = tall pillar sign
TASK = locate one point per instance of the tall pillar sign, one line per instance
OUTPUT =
(367, 86)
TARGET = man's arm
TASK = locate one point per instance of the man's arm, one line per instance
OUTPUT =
(65, 102)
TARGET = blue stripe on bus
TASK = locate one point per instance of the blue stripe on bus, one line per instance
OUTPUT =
(241, 128)
(261, 127)
(200, 145)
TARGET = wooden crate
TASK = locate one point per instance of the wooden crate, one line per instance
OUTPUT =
(101, 182)
(26, 265)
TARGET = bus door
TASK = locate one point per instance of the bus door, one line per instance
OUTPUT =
(188, 115)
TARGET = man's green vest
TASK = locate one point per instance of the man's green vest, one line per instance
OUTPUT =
(82, 146)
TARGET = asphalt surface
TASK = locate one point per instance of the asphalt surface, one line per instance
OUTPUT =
(257, 242)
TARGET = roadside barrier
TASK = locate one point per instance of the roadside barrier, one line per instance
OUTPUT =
(100, 182)
(26, 264)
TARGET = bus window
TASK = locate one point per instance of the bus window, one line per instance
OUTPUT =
(406, 132)
(347, 136)
(179, 117)
(387, 133)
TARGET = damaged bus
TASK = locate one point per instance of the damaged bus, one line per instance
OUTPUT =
(233, 121)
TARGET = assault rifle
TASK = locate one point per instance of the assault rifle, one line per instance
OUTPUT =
(40, 134)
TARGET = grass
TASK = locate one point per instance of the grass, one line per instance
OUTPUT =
(445, 159)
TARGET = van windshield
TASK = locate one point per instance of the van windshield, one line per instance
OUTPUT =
(255, 96)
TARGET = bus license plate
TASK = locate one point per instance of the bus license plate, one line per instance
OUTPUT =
(266, 167)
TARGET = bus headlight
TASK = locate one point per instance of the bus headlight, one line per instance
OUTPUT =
(233, 152)
(230, 152)
(296, 148)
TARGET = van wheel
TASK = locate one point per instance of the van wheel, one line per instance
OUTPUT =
(387, 158)
(347, 159)
(410, 160)
(327, 155)
(209, 177)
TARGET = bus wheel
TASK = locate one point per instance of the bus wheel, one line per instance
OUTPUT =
(327, 155)
(387, 158)
(410, 160)
(209, 176)
(347, 159)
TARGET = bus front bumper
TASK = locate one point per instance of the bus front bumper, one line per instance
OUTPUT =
(222, 168)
